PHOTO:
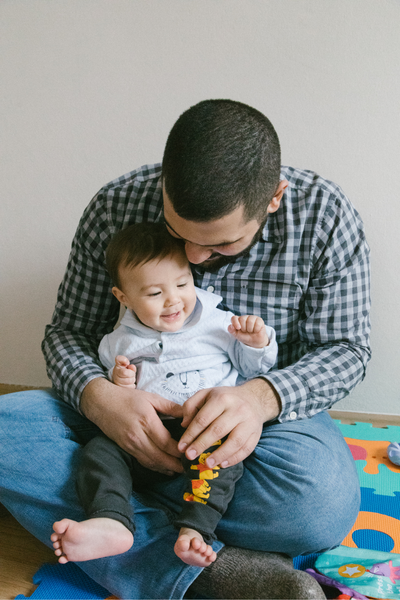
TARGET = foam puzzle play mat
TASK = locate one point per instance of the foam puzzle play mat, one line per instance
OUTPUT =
(366, 565)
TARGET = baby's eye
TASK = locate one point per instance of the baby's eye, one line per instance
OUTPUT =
(155, 294)
(182, 284)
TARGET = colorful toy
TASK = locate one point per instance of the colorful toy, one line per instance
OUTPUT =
(386, 570)
(393, 451)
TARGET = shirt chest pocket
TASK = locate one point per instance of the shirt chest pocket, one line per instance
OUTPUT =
(277, 302)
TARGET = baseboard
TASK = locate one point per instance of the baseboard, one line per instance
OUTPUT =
(10, 388)
(377, 419)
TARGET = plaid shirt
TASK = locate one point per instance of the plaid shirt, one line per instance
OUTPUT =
(308, 277)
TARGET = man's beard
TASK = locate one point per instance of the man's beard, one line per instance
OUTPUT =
(216, 261)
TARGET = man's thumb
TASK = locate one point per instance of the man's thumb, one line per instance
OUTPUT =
(167, 407)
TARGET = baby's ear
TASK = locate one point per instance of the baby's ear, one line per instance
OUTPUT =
(120, 296)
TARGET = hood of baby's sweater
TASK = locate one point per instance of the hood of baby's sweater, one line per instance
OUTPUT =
(206, 303)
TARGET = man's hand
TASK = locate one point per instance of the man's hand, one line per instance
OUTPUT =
(249, 330)
(129, 417)
(124, 374)
(240, 411)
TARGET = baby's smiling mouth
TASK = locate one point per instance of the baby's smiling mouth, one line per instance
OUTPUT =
(171, 316)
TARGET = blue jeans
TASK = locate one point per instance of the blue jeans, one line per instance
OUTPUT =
(299, 494)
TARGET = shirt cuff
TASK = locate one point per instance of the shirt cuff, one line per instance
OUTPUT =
(75, 382)
(293, 393)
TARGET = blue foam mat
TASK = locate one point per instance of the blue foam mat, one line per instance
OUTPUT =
(65, 582)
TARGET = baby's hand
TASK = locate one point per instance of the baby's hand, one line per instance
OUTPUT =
(124, 374)
(249, 330)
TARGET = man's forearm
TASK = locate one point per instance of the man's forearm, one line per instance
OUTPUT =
(266, 396)
(71, 361)
(96, 397)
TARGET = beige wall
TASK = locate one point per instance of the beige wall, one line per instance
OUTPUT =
(90, 89)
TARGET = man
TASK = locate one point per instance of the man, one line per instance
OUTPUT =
(281, 243)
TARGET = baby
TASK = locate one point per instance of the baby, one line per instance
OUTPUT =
(172, 341)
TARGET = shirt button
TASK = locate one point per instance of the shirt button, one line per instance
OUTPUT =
(293, 415)
(210, 288)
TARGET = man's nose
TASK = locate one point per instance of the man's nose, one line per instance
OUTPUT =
(197, 254)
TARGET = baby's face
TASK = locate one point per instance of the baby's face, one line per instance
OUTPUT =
(160, 293)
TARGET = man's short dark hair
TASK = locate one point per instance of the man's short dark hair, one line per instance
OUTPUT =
(138, 244)
(221, 154)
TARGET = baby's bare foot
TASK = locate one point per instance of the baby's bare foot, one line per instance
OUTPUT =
(193, 550)
(94, 538)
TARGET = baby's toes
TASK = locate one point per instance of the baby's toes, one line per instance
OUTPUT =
(203, 548)
(197, 544)
(63, 560)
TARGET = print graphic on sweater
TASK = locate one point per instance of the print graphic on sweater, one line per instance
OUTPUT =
(183, 385)
(201, 489)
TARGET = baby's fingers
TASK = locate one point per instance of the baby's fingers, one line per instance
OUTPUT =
(247, 323)
(258, 325)
(123, 373)
(235, 323)
(121, 361)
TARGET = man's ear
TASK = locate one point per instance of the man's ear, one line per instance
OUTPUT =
(276, 200)
(120, 296)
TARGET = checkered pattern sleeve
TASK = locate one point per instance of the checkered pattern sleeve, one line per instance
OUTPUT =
(86, 310)
(334, 317)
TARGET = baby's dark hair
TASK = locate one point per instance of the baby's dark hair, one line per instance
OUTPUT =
(138, 244)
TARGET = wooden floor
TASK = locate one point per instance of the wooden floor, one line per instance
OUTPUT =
(21, 555)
